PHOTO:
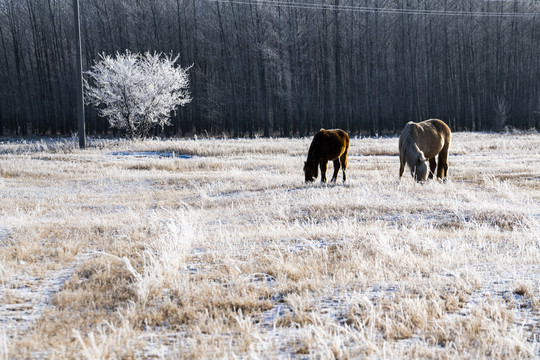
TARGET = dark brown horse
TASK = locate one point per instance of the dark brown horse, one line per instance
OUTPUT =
(327, 145)
(420, 143)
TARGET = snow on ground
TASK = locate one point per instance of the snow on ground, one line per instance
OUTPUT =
(273, 267)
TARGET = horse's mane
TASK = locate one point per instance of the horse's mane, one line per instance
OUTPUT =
(312, 156)
(408, 145)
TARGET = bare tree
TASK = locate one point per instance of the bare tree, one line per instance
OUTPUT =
(502, 110)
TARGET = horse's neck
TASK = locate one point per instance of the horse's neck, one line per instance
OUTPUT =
(416, 142)
(313, 158)
(412, 150)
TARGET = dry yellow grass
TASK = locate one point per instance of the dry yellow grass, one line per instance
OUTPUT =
(121, 252)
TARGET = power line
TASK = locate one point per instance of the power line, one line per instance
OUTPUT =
(515, 1)
(383, 10)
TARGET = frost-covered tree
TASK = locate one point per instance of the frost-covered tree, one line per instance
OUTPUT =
(137, 92)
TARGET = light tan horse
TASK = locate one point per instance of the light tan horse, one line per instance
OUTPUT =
(327, 145)
(420, 143)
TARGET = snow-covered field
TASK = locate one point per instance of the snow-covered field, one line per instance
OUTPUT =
(217, 248)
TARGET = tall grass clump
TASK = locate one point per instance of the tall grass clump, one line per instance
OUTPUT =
(110, 341)
(164, 256)
(156, 268)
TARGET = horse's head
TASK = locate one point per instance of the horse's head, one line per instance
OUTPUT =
(310, 172)
(421, 169)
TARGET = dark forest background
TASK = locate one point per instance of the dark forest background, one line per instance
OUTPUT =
(282, 68)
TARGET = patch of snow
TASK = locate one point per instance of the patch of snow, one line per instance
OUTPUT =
(145, 154)
(31, 297)
(4, 231)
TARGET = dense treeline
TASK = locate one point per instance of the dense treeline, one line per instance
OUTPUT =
(277, 68)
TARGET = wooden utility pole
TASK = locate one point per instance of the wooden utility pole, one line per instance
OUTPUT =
(79, 81)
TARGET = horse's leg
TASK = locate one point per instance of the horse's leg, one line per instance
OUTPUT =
(343, 160)
(324, 165)
(442, 169)
(401, 164)
(432, 167)
(336, 170)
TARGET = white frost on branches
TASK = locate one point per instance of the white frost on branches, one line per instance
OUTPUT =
(137, 92)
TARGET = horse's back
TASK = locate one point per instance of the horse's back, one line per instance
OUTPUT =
(434, 136)
(440, 127)
(431, 136)
(333, 143)
(342, 137)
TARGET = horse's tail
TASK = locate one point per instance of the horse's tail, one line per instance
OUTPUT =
(444, 130)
